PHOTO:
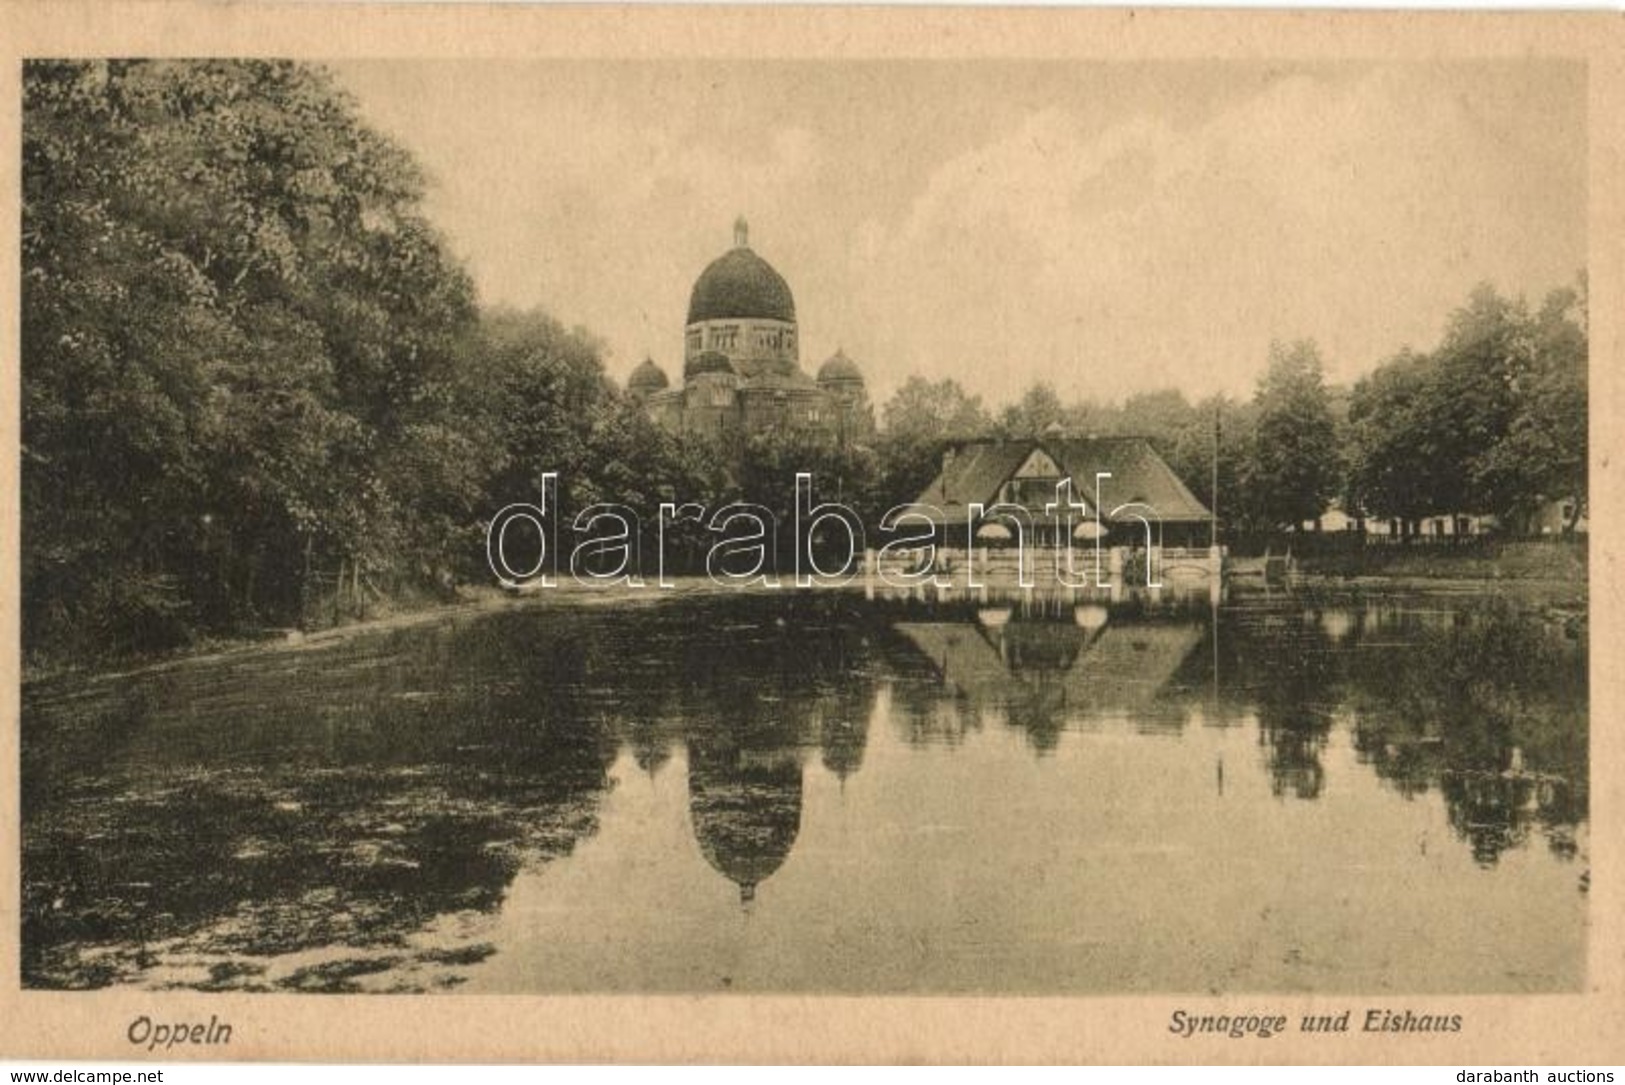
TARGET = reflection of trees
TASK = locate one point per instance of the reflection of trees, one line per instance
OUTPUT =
(1283, 662)
(1496, 718)
(284, 804)
(1490, 811)
(1497, 811)
(1293, 753)
(350, 795)
(1411, 767)
(1484, 701)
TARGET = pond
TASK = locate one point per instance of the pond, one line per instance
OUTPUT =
(811, 793)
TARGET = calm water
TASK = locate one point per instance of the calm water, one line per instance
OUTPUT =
(806, 793)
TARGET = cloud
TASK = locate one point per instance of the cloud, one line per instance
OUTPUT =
(1358, 212)
(1107, 229)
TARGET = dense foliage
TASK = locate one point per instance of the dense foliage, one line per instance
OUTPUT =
(1494, 420)
(239, 341)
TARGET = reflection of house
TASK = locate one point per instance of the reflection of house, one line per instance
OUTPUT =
(1127, 516)
(741, 361)
(1046, 672)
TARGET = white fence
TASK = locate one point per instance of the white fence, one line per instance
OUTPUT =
(1004, 569)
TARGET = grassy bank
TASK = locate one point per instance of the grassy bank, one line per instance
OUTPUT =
(1544, 561)
(383, 614)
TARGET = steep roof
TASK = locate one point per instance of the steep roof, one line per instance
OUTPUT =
(973, 471)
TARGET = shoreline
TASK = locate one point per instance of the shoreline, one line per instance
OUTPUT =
(472, 600)
(1556, 593)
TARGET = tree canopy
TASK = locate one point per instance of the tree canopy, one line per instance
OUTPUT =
(1295, 467)
(239, 334)
(1492, 421)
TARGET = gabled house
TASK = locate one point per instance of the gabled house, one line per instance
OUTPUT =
(1121, 483)
(1128, 508)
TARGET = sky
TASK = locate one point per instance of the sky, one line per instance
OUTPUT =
(1109, 228)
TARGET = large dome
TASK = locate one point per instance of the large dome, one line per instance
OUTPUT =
(739, 285)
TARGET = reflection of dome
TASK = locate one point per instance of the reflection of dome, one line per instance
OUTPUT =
(745, 807)
(739, 285)
(839, 368)
(647, 378)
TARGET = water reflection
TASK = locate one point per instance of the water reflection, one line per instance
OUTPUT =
(746, 810)
(1496, 718)
(1045, 674)
(354, 816)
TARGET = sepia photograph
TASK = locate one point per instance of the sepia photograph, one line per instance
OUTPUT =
(851, 525)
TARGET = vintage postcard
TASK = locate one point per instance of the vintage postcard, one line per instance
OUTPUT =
(811, 534)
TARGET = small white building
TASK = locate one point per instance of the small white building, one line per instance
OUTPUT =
(1553, 518)
(1442, 525)
(1335, 520)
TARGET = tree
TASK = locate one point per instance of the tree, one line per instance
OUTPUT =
(1295, 467)
(916, 422)
(1494, 420)
(1038, 409)
(923, 410)
(1478, 375)
(1184, 435)
(542, 399)
(239, 341)
(1542, 456)
(1390, 423)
